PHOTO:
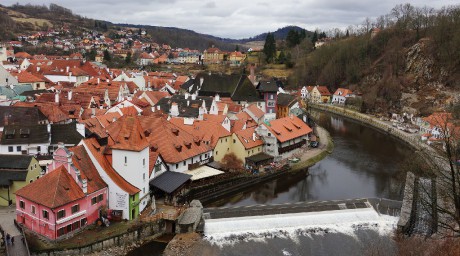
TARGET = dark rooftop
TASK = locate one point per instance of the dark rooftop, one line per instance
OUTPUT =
(170, 181)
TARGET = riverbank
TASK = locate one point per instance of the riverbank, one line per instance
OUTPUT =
(409, 139)
(213, 191)
(312, 156)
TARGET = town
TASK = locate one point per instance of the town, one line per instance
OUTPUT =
(87, 146)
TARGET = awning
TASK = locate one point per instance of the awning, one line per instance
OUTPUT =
(170, 181)
(203, 172)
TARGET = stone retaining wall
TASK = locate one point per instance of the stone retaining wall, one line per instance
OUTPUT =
(127, 238)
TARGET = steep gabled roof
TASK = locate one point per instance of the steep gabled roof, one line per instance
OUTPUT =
(127, 134)
(285, 100)
(97, 150)
(15, 161)
(83, 162)
(55, 189)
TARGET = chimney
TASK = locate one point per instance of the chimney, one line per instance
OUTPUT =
(188, 103)
(93, 112)
(84, 186)
(48, 129)
(186, 95)
(69, 95)
(38, 69)
(174, 111)
(201, 81)
(217, 98)
(98, 80)
(67, 69)
(56, 97)
(194, 96)
(254, 136)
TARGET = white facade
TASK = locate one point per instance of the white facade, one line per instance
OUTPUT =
(31, 149)
(134, 167)
(183, 165)
(118, 199)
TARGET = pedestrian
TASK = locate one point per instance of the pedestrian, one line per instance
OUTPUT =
(12, 240)
(23, 240)
(7, 238)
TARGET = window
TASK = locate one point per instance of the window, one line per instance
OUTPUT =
(271, 96)
(269, 134)
(61, 231)
(38, 177)
(38, 148)
(126, 160)
(75, 225)
(217, 152)
(185, 162)
(225, 139)
(177, 166)
(10, 148)
(35, 165)
(143, 190)
(75, 208)
(100, 198)
(83, 222)
(18, 148)
(143, 162)
(93, 200)
(205, 156)
(61, 214)
(234, 141)
(30, 181)
(143, 176)
(33, 209)
(22, 205)
(45, 214)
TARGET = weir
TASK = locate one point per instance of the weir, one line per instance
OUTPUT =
(331, 215)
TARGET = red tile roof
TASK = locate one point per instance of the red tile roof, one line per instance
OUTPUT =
(256, 111)
(172, 142)
(127, 134)
(324, 91)
(88, 171)
(343, 92)
(55, 189)
(97, 151)
(288, 128)
(207, 130)
(248, 139)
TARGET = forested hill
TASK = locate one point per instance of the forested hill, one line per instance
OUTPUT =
(410, 63)
(25, 19)
(279, 34)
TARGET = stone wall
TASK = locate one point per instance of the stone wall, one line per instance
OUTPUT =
(147, 230)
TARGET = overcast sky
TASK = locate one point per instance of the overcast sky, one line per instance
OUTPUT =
(235, 18)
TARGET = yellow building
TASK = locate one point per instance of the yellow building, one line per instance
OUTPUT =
(246, 143)
(213, 56)
(236, 58)
(16, 171)
(223, 146)
(320, 94)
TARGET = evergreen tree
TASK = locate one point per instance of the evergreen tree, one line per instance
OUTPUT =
(315, 37)
(237, 48)
(270, 48)
(292, 38)
(348, 34)
(107, 56)
(128, 58)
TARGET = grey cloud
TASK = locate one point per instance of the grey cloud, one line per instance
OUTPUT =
(236, 18)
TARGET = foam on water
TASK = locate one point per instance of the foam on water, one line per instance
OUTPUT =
(259, 228)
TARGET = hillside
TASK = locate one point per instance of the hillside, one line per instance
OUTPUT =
(25, 19)
(280, 34)
(411, 65)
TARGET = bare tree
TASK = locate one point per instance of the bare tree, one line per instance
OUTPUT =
(444, 204)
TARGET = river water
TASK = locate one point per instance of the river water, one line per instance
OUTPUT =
(364, 163)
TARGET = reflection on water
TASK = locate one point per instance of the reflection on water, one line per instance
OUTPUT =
(364, 163)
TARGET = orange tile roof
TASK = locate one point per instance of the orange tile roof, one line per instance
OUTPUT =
(246, 137)
(344, 92)
(256, 111)
(55, 189)
(127, 134)
(323, 90)
(155, 96)
(288, 128)
(27, 77)
(172, 142)
(207, 130)
(97, 151)
(88, 171)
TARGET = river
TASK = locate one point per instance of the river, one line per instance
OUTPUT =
(364, 163)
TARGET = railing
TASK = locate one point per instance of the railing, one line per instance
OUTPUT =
(282, 150)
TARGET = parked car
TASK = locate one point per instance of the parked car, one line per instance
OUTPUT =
(314, 144)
